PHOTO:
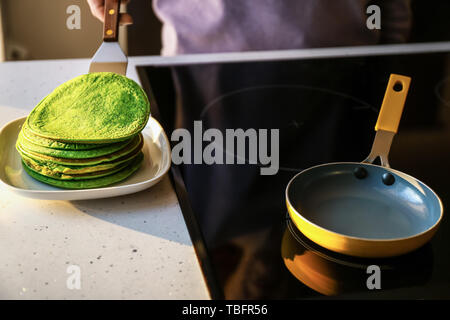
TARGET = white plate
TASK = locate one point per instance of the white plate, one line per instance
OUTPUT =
(156, 163)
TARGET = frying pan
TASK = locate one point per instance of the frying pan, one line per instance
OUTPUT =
(363, 209)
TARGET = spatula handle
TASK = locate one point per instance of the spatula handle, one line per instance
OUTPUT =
(111, 24)
(393, 103)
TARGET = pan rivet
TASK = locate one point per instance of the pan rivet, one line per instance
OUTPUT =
(360, 173)
(388, 179)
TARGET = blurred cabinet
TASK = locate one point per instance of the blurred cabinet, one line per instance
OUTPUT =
(2, 46)
(144, 36)
(36, 29)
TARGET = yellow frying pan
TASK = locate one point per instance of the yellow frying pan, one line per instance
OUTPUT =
(362, 209)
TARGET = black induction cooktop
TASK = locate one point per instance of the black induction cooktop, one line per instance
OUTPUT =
(325, 110)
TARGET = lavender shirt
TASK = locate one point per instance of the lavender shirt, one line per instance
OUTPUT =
(200, 26)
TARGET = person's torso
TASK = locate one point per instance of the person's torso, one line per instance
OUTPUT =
(197, 26)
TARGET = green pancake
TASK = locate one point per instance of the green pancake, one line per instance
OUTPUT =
(82, 176)
(89, 183)
(135, 144)
(71, 154)
(99, 107)
(54, 169)
(54, 144)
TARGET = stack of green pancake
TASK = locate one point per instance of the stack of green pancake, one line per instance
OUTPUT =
(86, 133)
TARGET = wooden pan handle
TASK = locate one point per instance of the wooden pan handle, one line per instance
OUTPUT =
(111, 24)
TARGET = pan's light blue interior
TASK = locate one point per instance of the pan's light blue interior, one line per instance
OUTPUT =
(331, 197)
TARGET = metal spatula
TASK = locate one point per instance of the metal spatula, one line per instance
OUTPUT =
(110, 57)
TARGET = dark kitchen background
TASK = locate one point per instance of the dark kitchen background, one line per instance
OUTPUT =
(20, 42)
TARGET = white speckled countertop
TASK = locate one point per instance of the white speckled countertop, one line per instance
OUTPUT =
(130, 247)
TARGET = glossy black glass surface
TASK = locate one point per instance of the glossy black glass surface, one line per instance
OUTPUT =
(325, 111)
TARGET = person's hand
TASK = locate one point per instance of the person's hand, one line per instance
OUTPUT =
(98, 10)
